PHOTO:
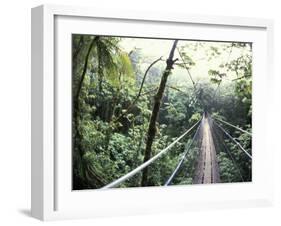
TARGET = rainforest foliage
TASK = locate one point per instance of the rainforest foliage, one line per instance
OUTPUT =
(128, 105)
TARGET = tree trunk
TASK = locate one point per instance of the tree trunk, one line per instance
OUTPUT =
(78, 48)
(78, 135)
(140, 91)
(157, 102)
(79, 87)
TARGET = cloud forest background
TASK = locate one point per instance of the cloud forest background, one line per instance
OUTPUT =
(114, 85)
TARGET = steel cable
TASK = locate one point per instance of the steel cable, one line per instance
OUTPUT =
(236, 142)
(147, 163)
(182, 158)
(236, 127)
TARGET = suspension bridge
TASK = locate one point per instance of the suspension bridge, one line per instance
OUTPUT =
(208, 131)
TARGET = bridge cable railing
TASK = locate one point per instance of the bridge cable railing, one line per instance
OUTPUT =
(148, 162)
(236, 127)
(183, 157)
(221, 141)
(233, 139)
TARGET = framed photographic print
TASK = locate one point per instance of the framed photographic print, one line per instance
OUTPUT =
(137, 112)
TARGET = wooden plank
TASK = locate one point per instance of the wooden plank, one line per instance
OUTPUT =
(207, 166)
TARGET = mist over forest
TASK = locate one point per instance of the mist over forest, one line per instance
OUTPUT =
(133, 97)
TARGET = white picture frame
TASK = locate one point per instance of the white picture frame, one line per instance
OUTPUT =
(52, 197)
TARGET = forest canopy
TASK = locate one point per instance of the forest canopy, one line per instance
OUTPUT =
(133, 97)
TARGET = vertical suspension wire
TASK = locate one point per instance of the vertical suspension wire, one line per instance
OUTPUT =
(199, 145)
(236, 127)
(236, 142)
(227, 151)
(183, 157)
(151, 160)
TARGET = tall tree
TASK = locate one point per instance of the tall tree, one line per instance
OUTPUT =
(157, 102)
(78, 150)
(103, 55)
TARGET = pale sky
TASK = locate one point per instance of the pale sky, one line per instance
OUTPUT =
(154, 48)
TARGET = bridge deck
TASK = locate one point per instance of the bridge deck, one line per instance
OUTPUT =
(207, 170)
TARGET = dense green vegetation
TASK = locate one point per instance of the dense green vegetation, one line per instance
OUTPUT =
(128, 105)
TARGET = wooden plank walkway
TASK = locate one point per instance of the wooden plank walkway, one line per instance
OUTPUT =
(207, 170)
